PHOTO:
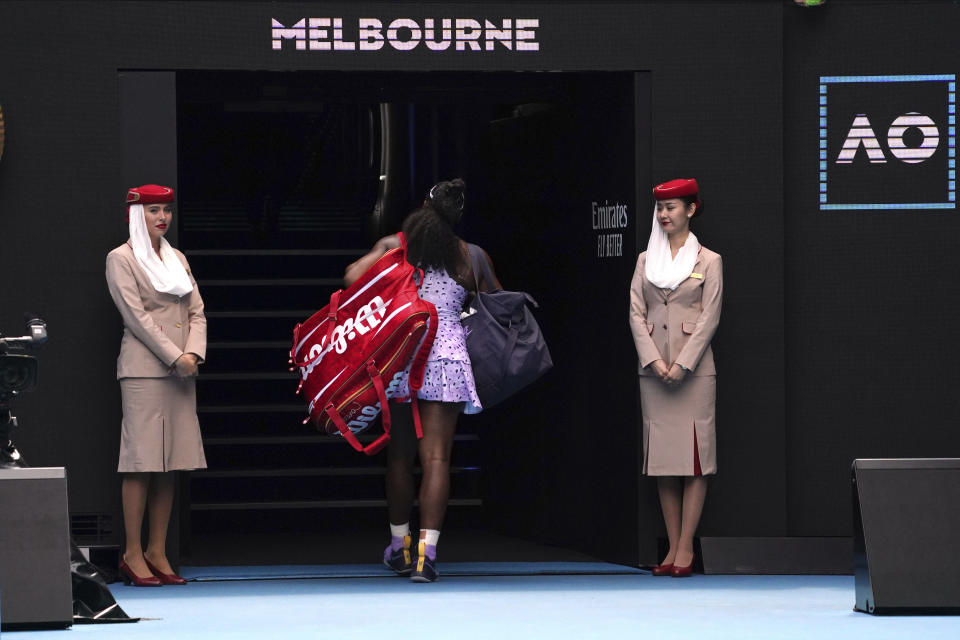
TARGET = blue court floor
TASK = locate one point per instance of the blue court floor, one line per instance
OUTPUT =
(498, 607)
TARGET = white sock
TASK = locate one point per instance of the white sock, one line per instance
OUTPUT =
(400, 530)
(430, 536)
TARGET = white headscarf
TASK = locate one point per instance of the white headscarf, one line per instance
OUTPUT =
(662, 269)
(167, 275)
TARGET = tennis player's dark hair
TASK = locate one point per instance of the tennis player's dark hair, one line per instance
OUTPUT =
(432, 242)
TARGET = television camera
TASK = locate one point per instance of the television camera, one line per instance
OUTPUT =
(18, 374)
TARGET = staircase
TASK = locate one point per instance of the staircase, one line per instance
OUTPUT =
(266, 469)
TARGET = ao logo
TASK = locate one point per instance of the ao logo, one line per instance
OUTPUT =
(897, 154)
(862, 134)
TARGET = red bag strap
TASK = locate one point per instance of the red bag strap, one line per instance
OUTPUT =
(419, 365)
(332, 310)
(345, 431)
(374, 374)
(416, 416)
(417, 271)
(378, 444)
(332, 313)
(296, 339)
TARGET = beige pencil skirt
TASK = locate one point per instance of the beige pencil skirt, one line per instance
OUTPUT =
(160, 430)
(679, 426)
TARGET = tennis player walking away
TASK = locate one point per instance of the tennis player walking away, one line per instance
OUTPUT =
(448, 386)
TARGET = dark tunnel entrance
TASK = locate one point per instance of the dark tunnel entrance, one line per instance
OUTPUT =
(284, 178)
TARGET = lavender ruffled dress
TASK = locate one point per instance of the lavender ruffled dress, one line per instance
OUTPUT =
(448, 376)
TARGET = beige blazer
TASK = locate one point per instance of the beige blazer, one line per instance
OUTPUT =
(677, 326)
(157, 327)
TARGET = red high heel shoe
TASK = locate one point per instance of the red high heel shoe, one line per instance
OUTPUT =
(662, 570)
(683, 572)
(165, 578)
(130, 577)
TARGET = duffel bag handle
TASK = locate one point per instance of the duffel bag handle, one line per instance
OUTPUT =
(332, 310)
(378, 444)
(345, 431)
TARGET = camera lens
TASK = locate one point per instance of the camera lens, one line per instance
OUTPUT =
(17, 373)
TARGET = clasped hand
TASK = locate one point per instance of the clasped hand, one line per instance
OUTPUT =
(185, 366)
(671, 376)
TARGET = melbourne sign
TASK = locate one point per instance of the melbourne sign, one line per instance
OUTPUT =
(406, 34)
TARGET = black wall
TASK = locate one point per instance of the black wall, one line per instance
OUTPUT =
(563, 442)
(817, 361)
(870, 294)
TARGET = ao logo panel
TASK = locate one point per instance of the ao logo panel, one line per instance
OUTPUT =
(887, 142)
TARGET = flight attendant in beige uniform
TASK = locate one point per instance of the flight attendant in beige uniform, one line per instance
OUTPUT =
(675, 299)
(164, 339)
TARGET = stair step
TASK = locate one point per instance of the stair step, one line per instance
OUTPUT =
(242, 236)
(270, 282)
(286, 253)
(254, 375)
(237, 426)
(329, 217)
(262, 294)
(252, 408)
(261, 313)
(316, 438)
(275, 389)
(317, 504)
(247, 358)
(240, 344)
(214, 264)
(365, 484)
(379, 470)
(314, 450)
(257, 325)
(241, 426)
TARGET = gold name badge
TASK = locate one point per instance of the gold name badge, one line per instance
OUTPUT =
(698, 276)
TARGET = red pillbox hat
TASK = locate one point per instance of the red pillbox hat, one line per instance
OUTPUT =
(680, 188)
(149, 194)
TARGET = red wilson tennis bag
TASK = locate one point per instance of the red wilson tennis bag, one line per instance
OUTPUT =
(352, 353)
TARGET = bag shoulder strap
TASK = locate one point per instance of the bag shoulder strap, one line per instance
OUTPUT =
(418, 366)
(479, 264)
(417, 271)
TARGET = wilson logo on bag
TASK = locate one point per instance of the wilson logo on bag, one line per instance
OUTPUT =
(367, 335)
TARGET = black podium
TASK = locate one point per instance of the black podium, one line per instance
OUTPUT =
(35, 583)
(906, 516)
